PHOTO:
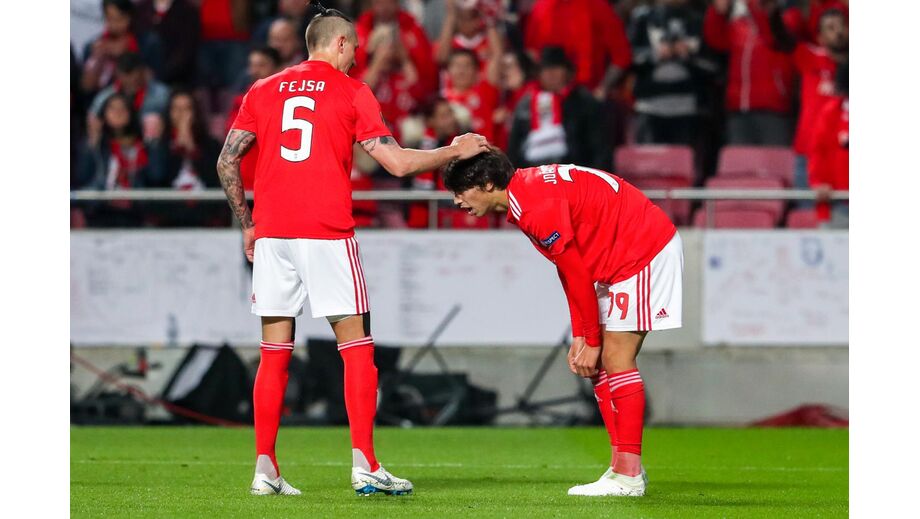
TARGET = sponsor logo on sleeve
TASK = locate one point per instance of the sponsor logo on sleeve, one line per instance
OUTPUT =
(546, 242)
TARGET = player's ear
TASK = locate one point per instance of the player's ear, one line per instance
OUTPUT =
(489, 187)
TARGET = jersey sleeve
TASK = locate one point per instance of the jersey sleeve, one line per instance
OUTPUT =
(580, 294)
(368, 117)
(245, 120)
(549, 226)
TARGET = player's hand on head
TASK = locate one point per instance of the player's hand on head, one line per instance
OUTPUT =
(585, 360)
(470, 144)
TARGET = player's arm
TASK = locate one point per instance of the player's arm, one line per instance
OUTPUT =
(404, 162)
(579, 290)
(238, 143)
(577, 324)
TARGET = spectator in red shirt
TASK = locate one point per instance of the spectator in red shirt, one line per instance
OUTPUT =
(412, 42)
(224, 33)
(829, 153)
(283, 37)
(475, 98)
(441, 126)
(392, 75)
(116, 39)
(472, 29)
(591, 34)
(817, 65)
(176, 30)
(760, 75)
(814, 10)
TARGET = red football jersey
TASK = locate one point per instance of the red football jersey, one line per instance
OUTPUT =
(616, 228)
(817, 70)
(306, 119)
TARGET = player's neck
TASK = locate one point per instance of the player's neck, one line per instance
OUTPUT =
(325, 58)
(501, 200)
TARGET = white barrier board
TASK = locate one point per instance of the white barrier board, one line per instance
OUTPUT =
(164, 286)
(776, 288)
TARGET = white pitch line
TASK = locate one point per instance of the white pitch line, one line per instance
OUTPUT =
(465, 465)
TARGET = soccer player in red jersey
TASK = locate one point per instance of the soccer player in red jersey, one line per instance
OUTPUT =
(619, 259)
(300, 236)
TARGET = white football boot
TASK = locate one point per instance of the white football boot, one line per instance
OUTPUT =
(613, 484)
(267, 481)
(366, 483)
(263, 485)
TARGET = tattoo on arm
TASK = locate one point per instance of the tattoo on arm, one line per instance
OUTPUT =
(370, 144)
(228, 169)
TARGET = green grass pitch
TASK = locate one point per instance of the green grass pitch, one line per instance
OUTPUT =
(459, 472)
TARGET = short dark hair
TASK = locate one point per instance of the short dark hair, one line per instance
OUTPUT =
(430, 106)
(464, 52)
(830, 13)
(129, 62)
(488, 167)
(125, 6)
(269, 52)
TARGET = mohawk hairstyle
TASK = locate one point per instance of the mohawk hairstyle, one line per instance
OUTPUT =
(324, 23)
(322, 11)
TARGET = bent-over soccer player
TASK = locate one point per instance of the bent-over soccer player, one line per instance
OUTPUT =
(620, 261)
(300, 235)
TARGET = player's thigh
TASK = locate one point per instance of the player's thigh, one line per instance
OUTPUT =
(649, 300)
(335, 278)
(277, 288)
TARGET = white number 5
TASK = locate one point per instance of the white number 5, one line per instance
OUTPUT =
(289, 122)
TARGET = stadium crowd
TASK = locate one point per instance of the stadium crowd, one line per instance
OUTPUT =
(155, 86)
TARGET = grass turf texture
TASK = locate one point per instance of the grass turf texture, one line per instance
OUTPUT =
(494, 472)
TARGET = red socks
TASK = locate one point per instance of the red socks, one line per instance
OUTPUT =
(361, 399)
(268, 399)
(628, 395)
(602, 395)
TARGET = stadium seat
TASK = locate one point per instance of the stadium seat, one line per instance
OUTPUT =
(677, 210)
(758, 162)
(775, 208)
(802, 219)
(636, 162)
(736, 219)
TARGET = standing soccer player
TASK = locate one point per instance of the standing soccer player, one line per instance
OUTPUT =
(300, 236)
(620, 261)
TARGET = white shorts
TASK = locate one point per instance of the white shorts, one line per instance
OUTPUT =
(286, 272)
(650, 300)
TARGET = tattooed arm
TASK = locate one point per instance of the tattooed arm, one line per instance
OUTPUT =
(228, 169)
(403, 162)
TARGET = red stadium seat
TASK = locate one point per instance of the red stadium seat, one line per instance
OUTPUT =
(802, 219)
(775, 208)
(677, 210)
(735, 219)
(757, 161)
(642, 162)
